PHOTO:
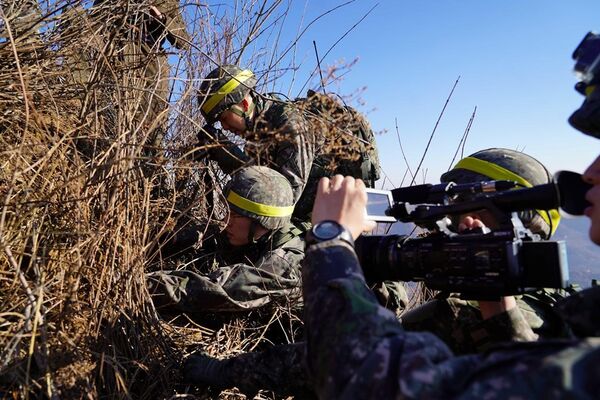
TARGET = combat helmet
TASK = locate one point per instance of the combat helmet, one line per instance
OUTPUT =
(223, 87)
(506, 164)
(262, 194)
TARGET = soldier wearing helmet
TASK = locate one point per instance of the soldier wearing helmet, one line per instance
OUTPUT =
(470, 326)
(461, 324)
(357, 349)
(277, 133)
(258, 253)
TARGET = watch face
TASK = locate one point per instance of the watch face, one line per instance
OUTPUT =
(327, 230)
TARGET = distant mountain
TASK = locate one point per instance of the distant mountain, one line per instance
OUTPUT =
(583, 255)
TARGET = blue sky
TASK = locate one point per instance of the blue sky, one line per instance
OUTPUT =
(513, 57)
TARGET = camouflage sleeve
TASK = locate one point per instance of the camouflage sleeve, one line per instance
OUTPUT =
(508, 326)
(234, 287)
(356, 348)
(229, 156)
(295, 153)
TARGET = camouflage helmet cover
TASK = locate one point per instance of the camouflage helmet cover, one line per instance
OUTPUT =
(262, 194)
(480, 166)
(223, 87)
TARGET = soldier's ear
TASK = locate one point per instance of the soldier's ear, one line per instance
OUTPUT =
(245, 104)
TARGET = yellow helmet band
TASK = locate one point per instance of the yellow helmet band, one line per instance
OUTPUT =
(263, 210)
(496, 172)
(224, 90)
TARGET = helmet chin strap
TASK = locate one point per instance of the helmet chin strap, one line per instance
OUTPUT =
(252, 232)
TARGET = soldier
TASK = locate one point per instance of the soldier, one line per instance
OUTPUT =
(284, 135)
(358, 350)
(134, 67)
(294, 138)
(258, 254)
(471, 326)
(461, 324)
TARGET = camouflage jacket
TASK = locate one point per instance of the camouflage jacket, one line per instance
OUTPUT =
(244, 279)
(358, 350)
(282, 139)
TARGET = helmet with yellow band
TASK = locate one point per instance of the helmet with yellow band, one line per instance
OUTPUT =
(506, 164)
(262, 194)
(222, 88)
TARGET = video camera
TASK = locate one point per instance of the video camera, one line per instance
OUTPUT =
(587, 58)
(478, 264)
(587, 67)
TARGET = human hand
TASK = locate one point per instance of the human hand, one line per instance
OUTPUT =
(468, 222)
(344, 200)
(157, 14)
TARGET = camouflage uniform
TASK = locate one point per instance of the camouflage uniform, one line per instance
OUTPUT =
(358, 350)
(137, 53)
(250, 276)
(286, 136)
(460, 325)
(246, 277)
(458, 322)
(281, 139)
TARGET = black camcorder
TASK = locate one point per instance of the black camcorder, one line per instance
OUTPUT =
(587, 58)
(480, 263)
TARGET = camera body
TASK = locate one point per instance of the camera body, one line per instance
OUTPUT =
(480, 263)
(587, 58)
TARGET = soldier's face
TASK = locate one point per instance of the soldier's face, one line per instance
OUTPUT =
(232, 122)
(592, 175)
(237, 229)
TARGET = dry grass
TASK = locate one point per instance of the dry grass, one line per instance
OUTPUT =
(96, 165)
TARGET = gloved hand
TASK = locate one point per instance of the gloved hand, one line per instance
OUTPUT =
(208, 133)
(200, 369)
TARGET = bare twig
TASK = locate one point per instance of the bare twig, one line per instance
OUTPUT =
(434, 129)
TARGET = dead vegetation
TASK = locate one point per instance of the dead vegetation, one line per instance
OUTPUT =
(97, 136)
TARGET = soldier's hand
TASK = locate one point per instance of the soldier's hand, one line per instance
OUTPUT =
(208, 133)
(344, 200)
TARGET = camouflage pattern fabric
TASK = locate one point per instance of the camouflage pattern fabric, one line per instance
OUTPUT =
(358, 350)
(245, 278)
(460, 325)
(284, 139)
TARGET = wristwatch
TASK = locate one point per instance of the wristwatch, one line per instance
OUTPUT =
(328, 230)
